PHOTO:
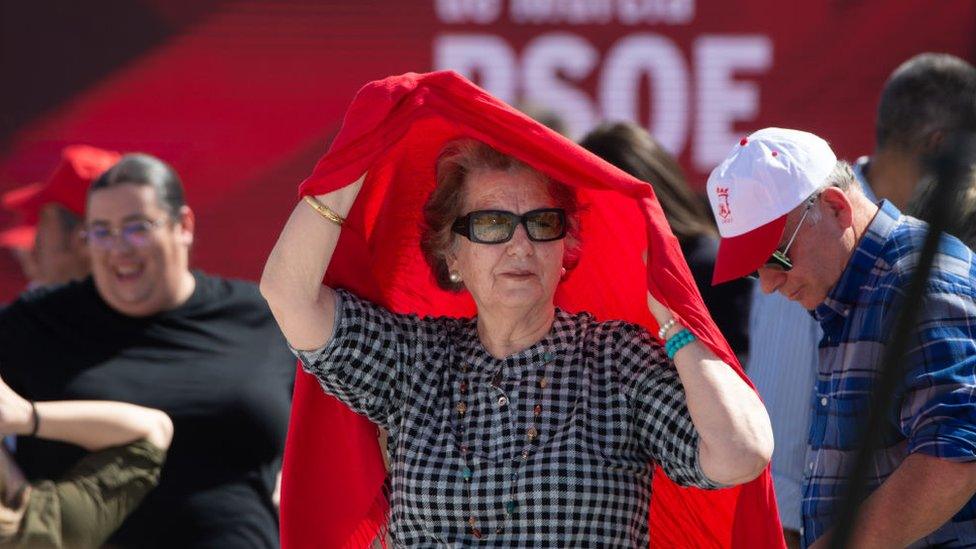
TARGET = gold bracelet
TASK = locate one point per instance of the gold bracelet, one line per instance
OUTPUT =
(324, 210)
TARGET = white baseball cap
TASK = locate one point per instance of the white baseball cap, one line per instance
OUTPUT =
(767, 174)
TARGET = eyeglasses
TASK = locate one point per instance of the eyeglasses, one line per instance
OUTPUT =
(779, 261)
(135, 233)
(498, 226)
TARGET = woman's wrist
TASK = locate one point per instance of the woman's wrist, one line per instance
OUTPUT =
(667, 328)
(35, 419)
(681, 339)
(25, 420)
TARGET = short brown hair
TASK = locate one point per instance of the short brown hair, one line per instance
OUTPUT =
(931, 92)
(458, 160)
(145, 170)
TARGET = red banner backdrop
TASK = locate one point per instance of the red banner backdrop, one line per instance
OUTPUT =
(242, 97)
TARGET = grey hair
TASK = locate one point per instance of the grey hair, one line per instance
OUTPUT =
(842, 177)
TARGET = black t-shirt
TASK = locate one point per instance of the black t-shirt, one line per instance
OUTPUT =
(218, 365)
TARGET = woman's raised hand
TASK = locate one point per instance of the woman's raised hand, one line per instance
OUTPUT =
(661, 313)
(292, 279)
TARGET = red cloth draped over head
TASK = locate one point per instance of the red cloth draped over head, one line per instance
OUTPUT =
(393, 131)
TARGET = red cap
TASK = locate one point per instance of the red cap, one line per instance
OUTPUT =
(67, 186)
(742, 255)
(764, 178)
(20, 237)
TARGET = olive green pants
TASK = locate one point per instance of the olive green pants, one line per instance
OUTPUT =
(82, 509)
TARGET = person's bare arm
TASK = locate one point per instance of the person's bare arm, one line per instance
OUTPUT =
(922, 494)
(292, 278)
(735, 435)
(93, 425)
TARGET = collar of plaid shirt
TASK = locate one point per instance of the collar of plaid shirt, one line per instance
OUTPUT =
(843, 295)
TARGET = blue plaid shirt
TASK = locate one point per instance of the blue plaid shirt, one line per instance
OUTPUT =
(934, 412)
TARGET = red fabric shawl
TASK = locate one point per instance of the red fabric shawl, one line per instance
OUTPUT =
(394, 129)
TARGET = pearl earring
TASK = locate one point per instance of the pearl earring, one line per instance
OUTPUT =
(562, 272)
(455, 277)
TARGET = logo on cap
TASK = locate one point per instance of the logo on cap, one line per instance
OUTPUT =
(724, 209)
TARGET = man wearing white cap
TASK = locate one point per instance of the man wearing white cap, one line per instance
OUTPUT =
(789, 211)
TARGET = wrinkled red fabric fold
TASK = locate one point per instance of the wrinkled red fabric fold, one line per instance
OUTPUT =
(393, 130)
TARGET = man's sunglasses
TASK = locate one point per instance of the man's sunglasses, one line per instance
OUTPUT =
(779, 261)
(498, 226)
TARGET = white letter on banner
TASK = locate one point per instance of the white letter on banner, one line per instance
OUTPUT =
(630, 12)
(723, 101)
(481, 12)
(531, 11)
(543, 60)
(680, 12)
(657, 57)
(650, 12)
(479, 54)
(588, 12)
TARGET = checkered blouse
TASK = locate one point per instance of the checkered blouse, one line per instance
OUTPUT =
(550, 447)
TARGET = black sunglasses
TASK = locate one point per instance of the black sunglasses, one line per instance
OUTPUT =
(779, 260)
(498, 226)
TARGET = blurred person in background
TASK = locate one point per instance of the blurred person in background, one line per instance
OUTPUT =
(927, 98)
(963, 224)
(632, 149)
(51, 215)
(924, 99)
(545, 116)
(128, 446)
(21, 247)
(145, 329)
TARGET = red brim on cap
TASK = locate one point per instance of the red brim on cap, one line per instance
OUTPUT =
(27, 200)
(742, 255)
(20, 237)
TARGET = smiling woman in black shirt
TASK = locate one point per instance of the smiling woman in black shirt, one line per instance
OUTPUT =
(147, 330)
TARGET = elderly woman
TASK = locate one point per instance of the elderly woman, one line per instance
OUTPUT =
(526, 425)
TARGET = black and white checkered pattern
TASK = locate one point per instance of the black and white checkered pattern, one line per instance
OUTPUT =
(611, 403)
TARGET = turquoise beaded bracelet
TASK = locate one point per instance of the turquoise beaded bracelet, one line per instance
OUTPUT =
(676, 342)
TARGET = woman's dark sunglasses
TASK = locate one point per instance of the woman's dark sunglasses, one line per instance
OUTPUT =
(498, 226)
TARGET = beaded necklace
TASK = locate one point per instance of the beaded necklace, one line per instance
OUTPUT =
(531, 435)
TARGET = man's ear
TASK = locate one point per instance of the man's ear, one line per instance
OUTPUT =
(77, 241)
(836, 204)
(187, 225)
